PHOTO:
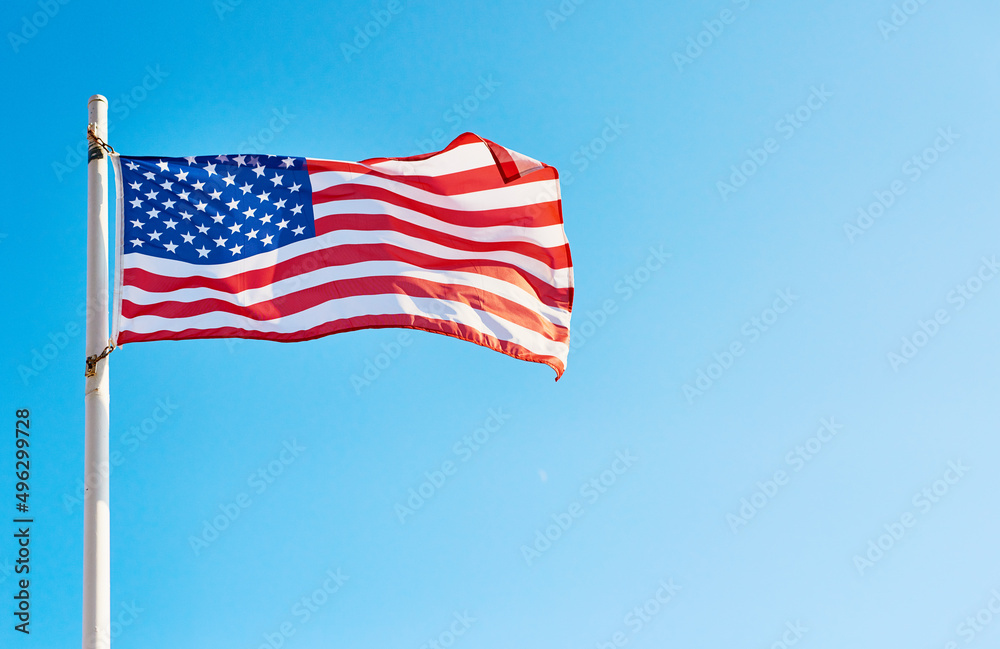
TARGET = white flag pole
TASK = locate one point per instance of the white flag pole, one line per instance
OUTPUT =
(97, 520)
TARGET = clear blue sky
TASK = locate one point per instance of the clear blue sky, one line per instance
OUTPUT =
(773, 314)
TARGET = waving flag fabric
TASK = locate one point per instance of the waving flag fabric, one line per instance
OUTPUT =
(467, 242)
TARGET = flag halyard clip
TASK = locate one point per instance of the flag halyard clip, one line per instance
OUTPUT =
(96, 139)
(92, 361)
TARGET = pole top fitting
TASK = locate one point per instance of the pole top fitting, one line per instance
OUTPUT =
(94, 98)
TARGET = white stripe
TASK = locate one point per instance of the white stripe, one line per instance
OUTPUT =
(558, 278)
(358, 307)
(473, 155)
(322, 276)
(547, 236)
(499, 198)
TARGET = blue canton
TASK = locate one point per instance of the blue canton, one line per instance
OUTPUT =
(215, 209)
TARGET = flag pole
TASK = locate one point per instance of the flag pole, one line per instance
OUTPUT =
(97, 521)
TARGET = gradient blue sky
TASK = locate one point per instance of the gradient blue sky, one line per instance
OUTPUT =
(216, 75)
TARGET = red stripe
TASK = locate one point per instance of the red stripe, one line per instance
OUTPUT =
(454, 329)
(552, 257)
(331, 291)
(534, 215)
(561, 298)
(459, 182)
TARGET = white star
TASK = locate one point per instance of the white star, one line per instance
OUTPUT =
(266, 218)
(230, 178)
(137, 223)
(294, 188)
(168, 204)
(191, 160)
(297, 209)
(288, 162)
(249, 212)
(136, 202)
(151, 195)
(282, 224)
(235, 228)
(233, 204)
(136, 242)
(202, 228)
(182, 176)
(239, 160)
(222, 158)
(153, 213)
(154, 235)
(186, 215)
(236, 249)
(170, 224)
(253, 160)
(277, 180)
(170, 246)
(280, 204)
(134, 185)
(259, 170)
(198, 184)
(218, 218)
(216, 195)
(162, 165)
(202, 252)
(267, 240)
(246, 189)
(211, 170)
(263, 196)
(149, 175)
(167, 185)
(298, 230)
(183, 195)
(188, 238)
(220, 242)
(131, 165)
(252, 234)
(200, 206)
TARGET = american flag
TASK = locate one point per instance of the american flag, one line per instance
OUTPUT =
(467, 242)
